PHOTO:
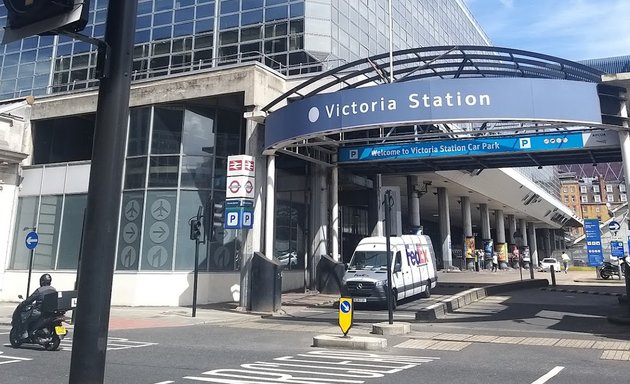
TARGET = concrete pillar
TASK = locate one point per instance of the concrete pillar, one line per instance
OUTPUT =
(512, 241)
(270, 206)
(334, 213)
(319, 212)
(501, 246)
(379, 229)
(485, 231)
(445, 227)
(467, 228)
(547, 242)
(413, 203)
(533, 248)
(624, 140)
(523, 230)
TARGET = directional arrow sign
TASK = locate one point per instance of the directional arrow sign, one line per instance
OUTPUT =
(32, 239)
(345, 314)
(614, 226)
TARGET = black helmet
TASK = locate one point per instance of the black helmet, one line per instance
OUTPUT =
(45, 279)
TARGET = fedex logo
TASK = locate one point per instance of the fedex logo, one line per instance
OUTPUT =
(417, 254)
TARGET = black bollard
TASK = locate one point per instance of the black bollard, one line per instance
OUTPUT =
(553, 275)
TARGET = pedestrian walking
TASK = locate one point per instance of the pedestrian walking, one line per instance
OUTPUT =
(565, 261)
(495, 262)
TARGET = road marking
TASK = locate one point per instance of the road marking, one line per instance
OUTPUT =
(113, 344)
(548, 375)
(165, 382)
(322, 366)
(11, 359)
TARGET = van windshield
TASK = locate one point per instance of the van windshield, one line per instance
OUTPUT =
(368, 260)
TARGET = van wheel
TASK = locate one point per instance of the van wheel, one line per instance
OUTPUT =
(427, 292)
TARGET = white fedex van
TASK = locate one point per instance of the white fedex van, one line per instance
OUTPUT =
(413, 269)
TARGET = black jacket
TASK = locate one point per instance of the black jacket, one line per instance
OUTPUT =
(37, 297)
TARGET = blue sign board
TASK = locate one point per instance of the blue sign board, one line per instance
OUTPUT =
(594, 253)
(616, 248)
(614, 226)
(435, 101)
(239, 218)
(32, 239)
(450, 148)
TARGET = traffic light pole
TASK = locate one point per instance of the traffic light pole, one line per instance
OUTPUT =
(89, 344)
(196, 278)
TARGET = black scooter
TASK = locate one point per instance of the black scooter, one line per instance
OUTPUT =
(48, 330)
(609, 269)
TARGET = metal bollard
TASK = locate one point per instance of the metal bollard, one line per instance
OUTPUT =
(628, 287)
(553, 275)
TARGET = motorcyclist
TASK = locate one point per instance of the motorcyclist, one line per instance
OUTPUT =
(36, 298)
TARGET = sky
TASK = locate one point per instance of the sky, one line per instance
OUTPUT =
(570, 29)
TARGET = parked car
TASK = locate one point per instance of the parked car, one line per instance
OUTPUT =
(547, 262)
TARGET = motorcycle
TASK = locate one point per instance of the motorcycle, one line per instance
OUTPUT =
(48, 330)
(609, 269)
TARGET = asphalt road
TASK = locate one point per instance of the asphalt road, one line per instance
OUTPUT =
(530, 336)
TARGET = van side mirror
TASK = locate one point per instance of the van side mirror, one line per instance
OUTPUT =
(397, 267)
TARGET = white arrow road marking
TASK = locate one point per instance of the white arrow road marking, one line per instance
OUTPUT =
(548, 375)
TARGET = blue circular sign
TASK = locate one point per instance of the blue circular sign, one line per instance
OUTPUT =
(345, 306)
(31, 240)
(614, 226)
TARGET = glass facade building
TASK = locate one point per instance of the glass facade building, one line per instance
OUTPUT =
(291, 36)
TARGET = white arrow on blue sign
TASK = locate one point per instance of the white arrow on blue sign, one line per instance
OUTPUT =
(614, 226)
(31, 240)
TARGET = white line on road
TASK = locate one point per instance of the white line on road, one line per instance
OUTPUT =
(548, 375)
(165, 382)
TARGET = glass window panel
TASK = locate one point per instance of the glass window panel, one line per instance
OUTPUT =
(163, 171)
(189, 202)
(162, 33)
(251, 48)
(297, 10)
(162, 18)
(142, 36)
(230, 21)
(161, 5)
(99, 30)
(130, 226)
(229, 6)
(48, 231)
(251, 4)
(204, 41)
(9, 72)
(167, 130)
(253, 17)
(278, 29)
(185, 14)
(26, 220)
(203, 56)
(296, 26)
(145, 7)
(40, 81)
(159, 231)
(184, 3)
(198, 138)
(276, 45)
(25, 83)
(29, 42)
(139, 120)
(135, 173)
(197, 172)
(101, 15)
(80, 61)
(205, 10)
(228, 53)
(229, 37)
(44, 54)
(143, 22)
(274, 2)
(229, 133)
(28, 55)
(181, 45)
(26, 70)
(71, 231)
(253, 33)
(162, 47)
(13, 59)
(42, 68)
(276, 13)
(202, 26)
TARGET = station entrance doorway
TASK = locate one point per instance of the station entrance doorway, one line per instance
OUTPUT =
(453, 131)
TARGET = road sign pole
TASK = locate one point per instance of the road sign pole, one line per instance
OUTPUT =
(89, 344)
(30, 271)
(388, 234)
